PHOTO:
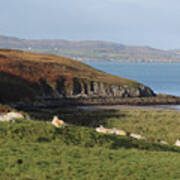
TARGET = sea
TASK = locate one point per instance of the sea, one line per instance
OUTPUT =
(160, 77)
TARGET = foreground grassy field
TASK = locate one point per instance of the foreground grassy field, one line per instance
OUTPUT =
(35, 150)
(153, 124)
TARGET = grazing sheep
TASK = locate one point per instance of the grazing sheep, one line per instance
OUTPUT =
(177, 143)
(57, 122)
(120, 133)
(11, 117)
(136, 136)
(101, 129)
(115, 131)
(161, 141)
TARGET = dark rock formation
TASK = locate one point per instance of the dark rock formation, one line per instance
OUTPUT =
(85, 88)
(77, 89)
(46, 88)
(61, 86)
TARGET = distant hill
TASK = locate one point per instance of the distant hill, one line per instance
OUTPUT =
(92, 50)
(29, 76)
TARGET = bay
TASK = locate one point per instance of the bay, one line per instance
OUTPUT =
(160, 77)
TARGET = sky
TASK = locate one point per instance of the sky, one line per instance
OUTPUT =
(152, 23)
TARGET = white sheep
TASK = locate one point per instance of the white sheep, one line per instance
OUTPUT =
(136, 136)
(57, 122)
(11, 117)
(120, 132)
(101, 129)
(177, 143)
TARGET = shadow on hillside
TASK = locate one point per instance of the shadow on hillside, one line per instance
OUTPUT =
(128, 143)
(75, 116)
(88, 138)
(13, 88)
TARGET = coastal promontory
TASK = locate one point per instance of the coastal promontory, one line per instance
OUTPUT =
(29, 76)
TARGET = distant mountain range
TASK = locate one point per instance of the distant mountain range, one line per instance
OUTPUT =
(92, 50)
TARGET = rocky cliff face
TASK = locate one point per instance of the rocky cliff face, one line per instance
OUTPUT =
(84, 88)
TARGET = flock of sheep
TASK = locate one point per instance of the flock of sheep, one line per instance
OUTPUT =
(115, 131)
(13, 116)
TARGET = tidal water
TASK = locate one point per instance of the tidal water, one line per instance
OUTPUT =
(160, 77)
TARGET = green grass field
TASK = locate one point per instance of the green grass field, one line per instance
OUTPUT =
(35, 150)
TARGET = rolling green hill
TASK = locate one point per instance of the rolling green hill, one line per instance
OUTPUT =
(37, 150)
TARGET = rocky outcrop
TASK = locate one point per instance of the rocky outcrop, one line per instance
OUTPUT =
(84, 88)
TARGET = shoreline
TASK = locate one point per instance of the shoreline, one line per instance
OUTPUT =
(162, 102)
(130, 62)
(130, 107)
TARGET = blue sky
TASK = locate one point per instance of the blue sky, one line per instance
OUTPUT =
(133, 22)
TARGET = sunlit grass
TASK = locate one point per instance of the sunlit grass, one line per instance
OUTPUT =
(37, 150)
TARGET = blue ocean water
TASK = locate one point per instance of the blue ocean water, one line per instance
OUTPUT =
(160, 77)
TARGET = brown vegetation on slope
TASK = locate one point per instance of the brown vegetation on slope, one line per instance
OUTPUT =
(29, 75)
(35, 66)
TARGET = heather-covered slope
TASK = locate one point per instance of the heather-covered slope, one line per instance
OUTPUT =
(28, 76)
